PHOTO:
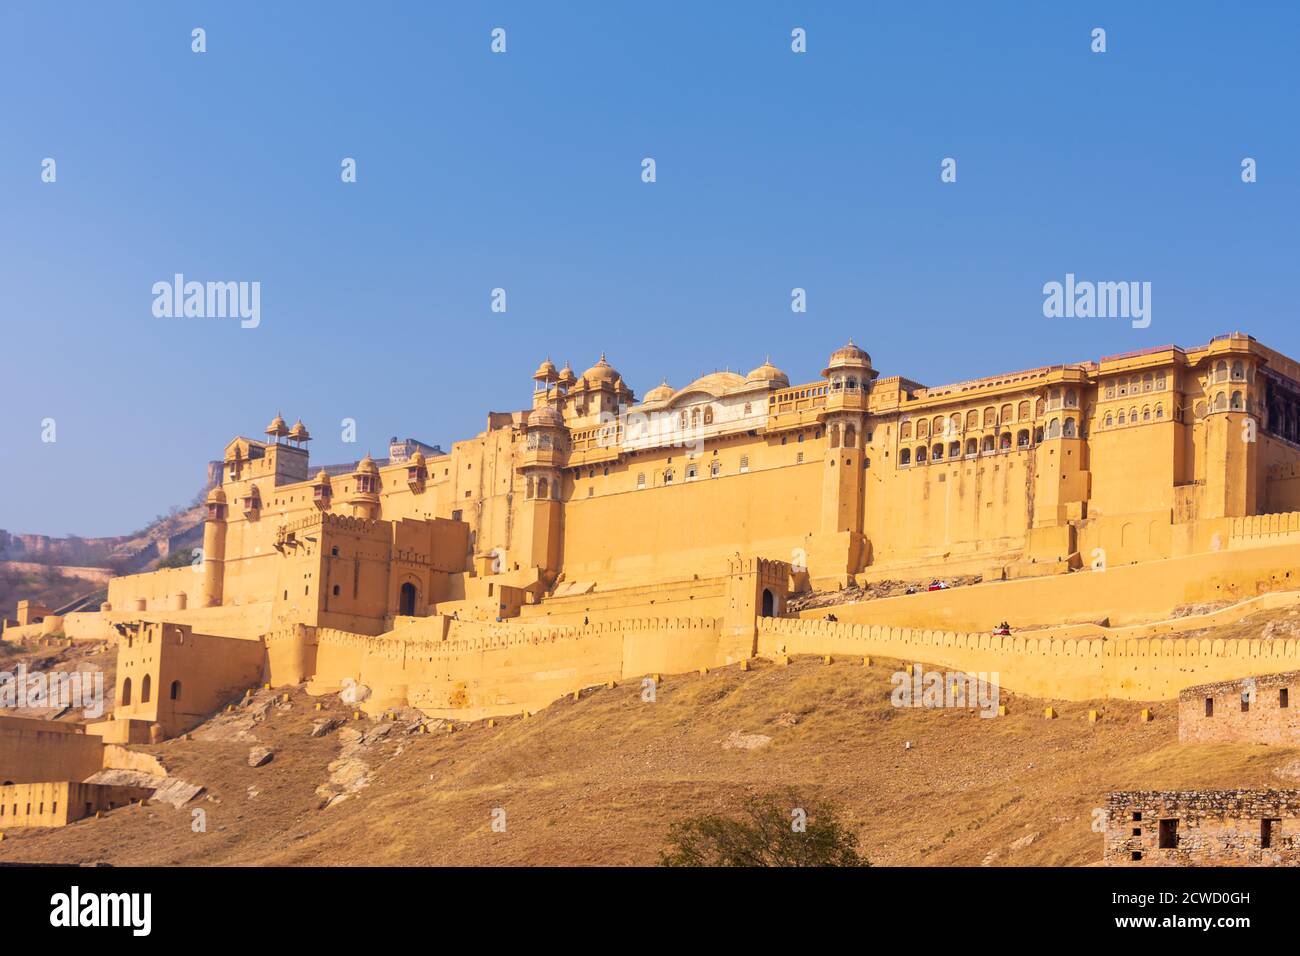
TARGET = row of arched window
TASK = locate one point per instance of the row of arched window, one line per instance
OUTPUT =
(1133, 384)
(1236, 371)
(694, 417)
(974, 446)
(146, 689)
(952, 424)
(1130, 417)
(542, 488)
(850, 435)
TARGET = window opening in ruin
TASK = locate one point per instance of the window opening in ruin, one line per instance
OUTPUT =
(1209, 707)
(1284, 698)
(1169, 833)
(1266, 827)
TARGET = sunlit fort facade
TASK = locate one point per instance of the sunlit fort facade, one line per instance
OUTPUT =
(593, 535)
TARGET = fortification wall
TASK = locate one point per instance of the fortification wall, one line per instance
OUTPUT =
(1125, 594)
(1139, 669)
(490, 670)
(36, 750)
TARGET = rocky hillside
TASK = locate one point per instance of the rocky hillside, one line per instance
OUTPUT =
(61, 570)
(598, 780)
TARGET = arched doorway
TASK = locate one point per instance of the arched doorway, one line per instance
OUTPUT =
(126, 691)
(769, 603)
(406, 600)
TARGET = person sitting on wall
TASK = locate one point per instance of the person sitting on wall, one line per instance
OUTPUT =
(831, 617)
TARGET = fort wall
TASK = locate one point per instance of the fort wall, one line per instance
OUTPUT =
(1139, 669)
(34, 750)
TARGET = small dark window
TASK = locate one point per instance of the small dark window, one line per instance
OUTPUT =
(1169, 834)
(334, 552)
(1137, 817)
(1245, 701)
(1266, 832)
(1137, 855)
(1209, 707)
(336, 590)
(1137, 831)
(1283, 698)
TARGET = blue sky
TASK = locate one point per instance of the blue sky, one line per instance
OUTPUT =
(522, 171)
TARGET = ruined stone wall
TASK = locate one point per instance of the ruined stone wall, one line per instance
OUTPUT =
(1260, 710)
(1203, 828)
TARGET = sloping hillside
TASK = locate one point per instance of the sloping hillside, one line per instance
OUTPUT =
(597, 781)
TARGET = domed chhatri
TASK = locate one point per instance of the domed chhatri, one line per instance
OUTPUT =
(367, 466)
(277, 429)
(660, 393)
(566, 376)
(602, 371)
(299, 432)
(547, 416)
(545, 372)
(767, 372)
(849, 358)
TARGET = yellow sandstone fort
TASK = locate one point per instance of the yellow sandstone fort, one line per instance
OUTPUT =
(595, 537)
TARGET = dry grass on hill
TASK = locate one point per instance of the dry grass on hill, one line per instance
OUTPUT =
(597, 781)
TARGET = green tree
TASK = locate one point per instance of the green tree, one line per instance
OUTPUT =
(767, 834)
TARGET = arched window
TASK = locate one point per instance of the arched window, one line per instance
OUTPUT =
(708, 415)
(695, 417)
(1160, 381)
(852, 384)
(1054, 428)
(1122, 417)
(528, 487)
(835, 435)
(668, 477)
(1004, 442)
(145, 688)
(1220, 402)
(1237, 404)
(1004, 413)
(1110, 389)
(936, 426)
(176, 690)
(972, 419)
(1038, 435)
(1221, 371)
(954, 449)
(1022, 411)
(1038, 407)
(1069, 431)
(972, 446)
(850, 437)
(1146, 413)
(640, 480)
(922, 429)
(1147, 381)
(1110, 420)
(905, 430)
(936, 453)
(1022, 438)
(990, 417)
(1160, 412)
(987, 444)
(1238, 371)
(543, 488)
(1071, 398)
(954, 424)
(715, 469)
(126, 692)
(905, 456)
(683, 418)
(920, 455)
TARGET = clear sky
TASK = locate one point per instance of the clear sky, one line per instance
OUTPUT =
(522, 171)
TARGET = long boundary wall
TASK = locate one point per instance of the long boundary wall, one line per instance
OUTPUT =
(1142, 669)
